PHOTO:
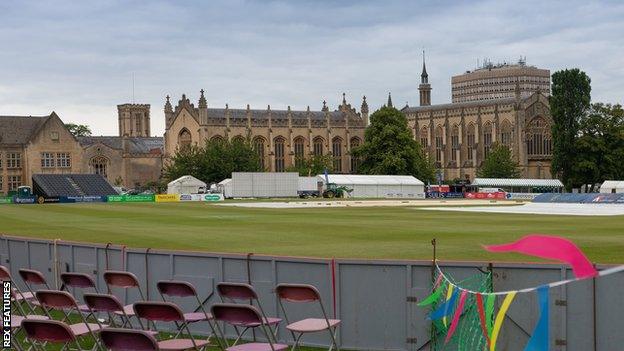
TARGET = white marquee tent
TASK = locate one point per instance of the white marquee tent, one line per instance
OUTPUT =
(186, 185)
(612, 186)
(379, 186)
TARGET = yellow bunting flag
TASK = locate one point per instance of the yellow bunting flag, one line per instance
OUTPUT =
(500, 316)
(449, 293)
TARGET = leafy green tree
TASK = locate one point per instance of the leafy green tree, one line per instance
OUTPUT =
(311, 166)
(390, 148)
(499, 163)
(214, 161)
(570, 99)
(599, 146)
(78, 130)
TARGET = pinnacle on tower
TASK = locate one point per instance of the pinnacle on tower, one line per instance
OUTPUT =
(344, 99)
(168, 107)
(424, 77)
(202, 100)
(364, 107)
(389, 100)
(325, 108)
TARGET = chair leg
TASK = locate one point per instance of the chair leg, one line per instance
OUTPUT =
(333, 337)
(296, 344)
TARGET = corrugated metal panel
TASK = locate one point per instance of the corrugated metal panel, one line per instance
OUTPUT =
(520, 182)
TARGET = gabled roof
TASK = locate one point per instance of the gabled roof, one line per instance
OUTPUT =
(19, 129)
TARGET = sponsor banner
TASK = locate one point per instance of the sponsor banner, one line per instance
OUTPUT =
(488, 196)
(24, 200)
(131, 198)
(168, 198)
(522, 196)
(6, 199)
(201, 197)
(73, 199)
(444, 195)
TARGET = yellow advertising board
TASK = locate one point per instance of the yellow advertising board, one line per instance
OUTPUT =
(168, 198)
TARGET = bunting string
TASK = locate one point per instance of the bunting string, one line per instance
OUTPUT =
(601, 273)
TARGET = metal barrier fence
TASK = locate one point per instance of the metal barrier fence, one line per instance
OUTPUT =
(375, 299)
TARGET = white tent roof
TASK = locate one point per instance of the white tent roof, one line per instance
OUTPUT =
(613, 184)
(225, 181)
(520, 182)
(360, 179)
(188, 181)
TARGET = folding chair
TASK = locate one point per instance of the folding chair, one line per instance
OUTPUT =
(109, 304)
(168, 312)
(18, 297)
(184, 289)
(239, 314)
(123, 280)
(79, 281)
(306, 293)
(32, 279)
(41, 332)
(235, 292)
(16, 320)
(116, 339)
(65, 303)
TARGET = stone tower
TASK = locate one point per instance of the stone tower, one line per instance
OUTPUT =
(364, 111)
(424, 88)
(134, 120)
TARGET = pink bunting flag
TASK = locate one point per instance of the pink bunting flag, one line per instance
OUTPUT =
(552, 248)
(458, 311)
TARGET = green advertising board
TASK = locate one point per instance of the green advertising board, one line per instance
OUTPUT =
(213, 197)
(131, 198)
(6, 199)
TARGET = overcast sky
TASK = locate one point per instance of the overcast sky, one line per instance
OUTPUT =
(78, 57)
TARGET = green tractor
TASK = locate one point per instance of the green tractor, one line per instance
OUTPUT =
(334, 190)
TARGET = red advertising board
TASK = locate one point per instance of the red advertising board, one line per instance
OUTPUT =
(493, 196)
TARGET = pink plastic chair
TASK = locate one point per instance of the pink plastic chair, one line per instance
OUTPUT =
(109, 304)
(41, 332)
(236, 292)
(64, 302)
(18, 297)
(79, 281)
(298, 293)
(239, 314)
(33, 280)
(124, 280)
(168, 312)
(184, 289)
(115, 339)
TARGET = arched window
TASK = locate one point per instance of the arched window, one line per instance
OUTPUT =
(470, 141)
(505, 136)
(355, 162)
(217, 139)
(99, 165)
(259, 146)
(487, 139)
(318, 146)
(184, 138)
(439, 145)
(137, 121)
(337, 153)
(238, 139)
(299, 143)
(454, 143)
(279, 154)
(424, 138)
(539, 142)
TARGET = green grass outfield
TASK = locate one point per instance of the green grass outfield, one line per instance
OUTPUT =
(375, 232)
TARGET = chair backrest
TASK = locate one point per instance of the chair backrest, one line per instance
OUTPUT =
(47, 331)
(236, 314)
(32, 276)
(56, 299)
(5, 274)
(237, 291)
(78, 280)
(121, 279)
(158, 311)
(297, 292)
(116, 339)
(176, 288)
(103, 302)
